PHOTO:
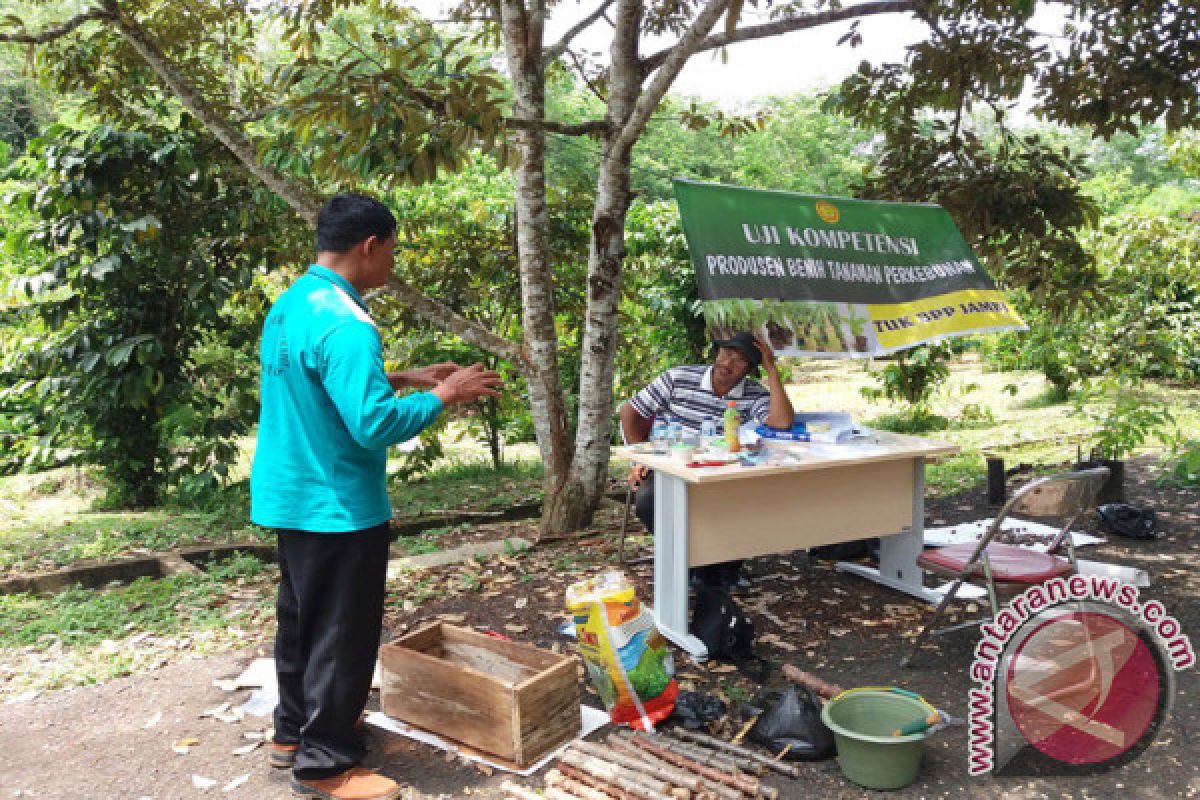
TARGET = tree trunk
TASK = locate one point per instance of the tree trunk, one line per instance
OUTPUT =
(607, 249)
(523, 29)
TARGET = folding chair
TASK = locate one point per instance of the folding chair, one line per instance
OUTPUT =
(1065, 496)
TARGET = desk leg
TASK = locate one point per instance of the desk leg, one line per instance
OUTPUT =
(671, 563)
(898, 553)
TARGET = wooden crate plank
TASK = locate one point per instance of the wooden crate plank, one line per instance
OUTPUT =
(487, 661)
(547, 712)
(459, 703)
(425, 640)
(459, 684)
(526, 655)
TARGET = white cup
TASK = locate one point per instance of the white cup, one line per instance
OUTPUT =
(682, 454)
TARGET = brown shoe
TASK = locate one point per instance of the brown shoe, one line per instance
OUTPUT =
(283, 756)
(280, 755)
(357, 783)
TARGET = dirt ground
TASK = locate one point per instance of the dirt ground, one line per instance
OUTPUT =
(98, 742)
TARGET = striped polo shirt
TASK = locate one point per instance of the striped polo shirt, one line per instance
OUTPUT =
(686, 394)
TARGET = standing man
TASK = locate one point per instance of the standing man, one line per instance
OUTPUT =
(319, 479)
(689, 394)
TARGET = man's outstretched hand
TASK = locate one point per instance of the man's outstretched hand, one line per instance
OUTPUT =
(422, 377)
(468, 384)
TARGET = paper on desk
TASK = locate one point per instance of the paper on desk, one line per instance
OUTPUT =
(591, 719)
(974, 531)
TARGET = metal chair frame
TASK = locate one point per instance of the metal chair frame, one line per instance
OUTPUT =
(1066, 495)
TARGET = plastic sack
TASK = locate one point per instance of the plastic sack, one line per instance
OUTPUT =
(628, 661)
(694, 709)
(1130, 521)
(793, 718)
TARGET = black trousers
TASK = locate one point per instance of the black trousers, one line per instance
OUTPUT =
(330, 616)
(724, 574)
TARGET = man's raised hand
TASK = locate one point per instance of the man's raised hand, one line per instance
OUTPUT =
(468, 384)
(768, 355)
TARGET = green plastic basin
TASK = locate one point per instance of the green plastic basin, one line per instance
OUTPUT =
(862, 723)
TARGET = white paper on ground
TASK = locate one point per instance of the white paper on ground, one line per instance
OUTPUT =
(260, 676)
(262, 701)
(974, 531)
(1130, 575)
(592, 719)
(259, 673)
(968, 591)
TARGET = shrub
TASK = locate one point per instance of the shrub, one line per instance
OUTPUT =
(147, 303)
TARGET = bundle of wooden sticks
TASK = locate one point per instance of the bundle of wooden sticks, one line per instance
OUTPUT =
(678, 765)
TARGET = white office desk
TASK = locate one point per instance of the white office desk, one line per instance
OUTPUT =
(838, 493)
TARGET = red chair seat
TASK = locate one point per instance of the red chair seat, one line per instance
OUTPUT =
(1010, 564)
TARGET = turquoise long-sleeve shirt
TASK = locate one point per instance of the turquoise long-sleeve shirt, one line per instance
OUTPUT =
(328, 412)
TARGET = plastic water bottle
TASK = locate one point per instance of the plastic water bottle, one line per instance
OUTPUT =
(674, 432)
(658, 435)
(732, 421)
(708, 432)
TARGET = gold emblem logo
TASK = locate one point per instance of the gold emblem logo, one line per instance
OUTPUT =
(828, 211)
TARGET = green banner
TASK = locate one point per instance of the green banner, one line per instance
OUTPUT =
(833, 276)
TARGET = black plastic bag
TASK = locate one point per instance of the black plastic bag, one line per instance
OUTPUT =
(1130, 521)
(694, 709)
(793, 717)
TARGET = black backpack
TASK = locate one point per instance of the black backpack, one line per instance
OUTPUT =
(726, 631)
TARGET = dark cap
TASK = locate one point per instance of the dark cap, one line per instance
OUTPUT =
(743, 341)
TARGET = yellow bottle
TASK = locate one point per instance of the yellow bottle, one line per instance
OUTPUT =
(732, 420)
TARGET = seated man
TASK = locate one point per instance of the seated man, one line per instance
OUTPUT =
(690, 394)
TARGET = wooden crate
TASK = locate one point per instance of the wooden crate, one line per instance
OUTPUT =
(511, 701)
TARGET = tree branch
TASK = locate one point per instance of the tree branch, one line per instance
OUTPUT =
(672, 64)
(558, 48)
(749, 33)
(467, 330)
(257, 114)
(57, 32)
(587, 80)
(295, 194)
(568, 128)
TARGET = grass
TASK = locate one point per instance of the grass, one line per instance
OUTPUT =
(1011, 413)
(458, 485)
(81, 636)
(420, 544)
(45, 545)
(83, 617)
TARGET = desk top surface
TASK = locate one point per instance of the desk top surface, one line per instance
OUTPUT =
(802, 457)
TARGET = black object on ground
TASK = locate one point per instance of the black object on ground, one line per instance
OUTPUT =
(1127, 520)
(726, 631)
(791, 721)
(694, 709)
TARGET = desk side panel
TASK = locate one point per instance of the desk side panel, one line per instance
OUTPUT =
(781, 513)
